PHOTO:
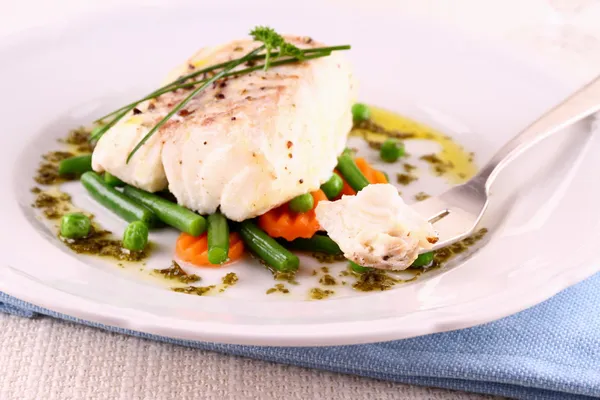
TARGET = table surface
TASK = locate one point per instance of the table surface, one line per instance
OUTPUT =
(45, 358)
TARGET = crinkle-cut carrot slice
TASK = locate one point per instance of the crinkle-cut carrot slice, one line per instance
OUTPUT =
(284, 223)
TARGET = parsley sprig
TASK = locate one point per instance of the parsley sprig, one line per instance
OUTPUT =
(276, 52)
(273, 40)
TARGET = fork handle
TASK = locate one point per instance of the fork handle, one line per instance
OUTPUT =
(582, 104)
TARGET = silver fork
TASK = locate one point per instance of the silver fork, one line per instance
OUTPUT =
(456, 212)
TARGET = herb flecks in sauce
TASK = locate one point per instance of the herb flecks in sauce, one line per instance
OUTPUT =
(328, 258)
(405, 179)
(439, 166)
(57, 156)
(320, 294)
(230, 279)
(445, 254)
(327, 280)
(278, 288)
(47, 172)
(197, 290)
(175, 272)
(99, 243)
(408, 168)
(53, 206)
(79, 137)
(289, 277)
(421, 196)
(376, 280)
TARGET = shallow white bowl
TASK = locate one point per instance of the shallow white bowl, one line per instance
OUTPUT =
(543, 221)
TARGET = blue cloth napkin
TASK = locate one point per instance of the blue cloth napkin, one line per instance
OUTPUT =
(551, 351)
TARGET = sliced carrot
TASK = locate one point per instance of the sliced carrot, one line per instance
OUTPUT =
(373, 175)
(195, 249)
(284, 223)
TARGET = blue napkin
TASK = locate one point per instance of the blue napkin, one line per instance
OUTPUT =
(551, 351)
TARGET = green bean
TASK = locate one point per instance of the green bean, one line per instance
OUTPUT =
(116, 201)
(423, 260)
(75, 165)
(359, 268)
(317, 243)
(136, 236)
(75, 226)
(360, 112)
(303, 203)
(391, 150)
(333, 187)
(265, 247)
(170, 213)
(351, 173)
(112, 180)
(218, 238)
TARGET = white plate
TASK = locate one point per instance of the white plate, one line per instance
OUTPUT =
(544, 232)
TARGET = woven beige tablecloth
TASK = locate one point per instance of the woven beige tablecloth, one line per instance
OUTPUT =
(47, 359)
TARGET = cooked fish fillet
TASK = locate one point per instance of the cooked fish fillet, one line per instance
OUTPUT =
(376, 228)
(245, 144)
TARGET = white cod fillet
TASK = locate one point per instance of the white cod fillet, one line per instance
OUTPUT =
(376, 228)
(246, 144)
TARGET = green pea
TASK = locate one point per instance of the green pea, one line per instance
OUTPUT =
(358, 268)
(423, 260)
(333, 187)
(360, 112)
(391, 150)
(136, 236)
(75, 226)
(302, 203)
